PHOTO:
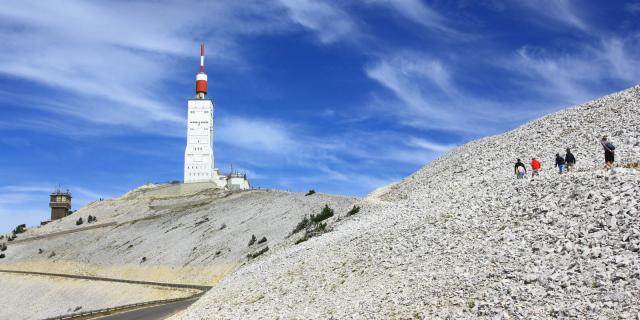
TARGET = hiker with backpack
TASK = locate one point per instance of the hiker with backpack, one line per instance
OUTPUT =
(609, 155)
(560, 163)
(535, 167)
(570, 160)
(519, 169)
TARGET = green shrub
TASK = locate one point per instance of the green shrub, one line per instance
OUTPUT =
(301, 225)
(2, 255)
(257, 253)
(20, 229)
(325, 214)
(143, 259)
(79, 222)
(353, 211)
(310, 192)
(253, 240)
(3, 247)
(263, 240)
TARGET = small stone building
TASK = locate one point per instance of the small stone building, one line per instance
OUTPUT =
(60, 203)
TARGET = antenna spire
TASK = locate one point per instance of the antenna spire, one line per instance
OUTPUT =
(202, 57)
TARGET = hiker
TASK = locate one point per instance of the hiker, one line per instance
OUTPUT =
(560, 163)
(519, 169)
(608, 151)
(535, 167)
(570, 159)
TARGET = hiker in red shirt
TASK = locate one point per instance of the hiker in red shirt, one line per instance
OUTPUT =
(535, 167)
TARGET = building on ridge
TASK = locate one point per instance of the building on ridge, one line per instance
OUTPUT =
(199, 165)
(60, 203)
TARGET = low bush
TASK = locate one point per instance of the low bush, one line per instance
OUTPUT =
(20, 229)
(143, 259)
(79, 221)
(258, 253)
(52, 254)
(301, 225)
(223, 226)
(253, 240)
(353, 211)
(310, 192)
(313, 226)
(40, 251)
(263, 240)
(325, 214)
(3, 247)
(2, 255)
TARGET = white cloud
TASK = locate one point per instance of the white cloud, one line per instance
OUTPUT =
(109, 62)
(330, 22)
(560, 11)
(429, 145)
(429, 97)
(577, 77)
(421, 13)
(255, 134)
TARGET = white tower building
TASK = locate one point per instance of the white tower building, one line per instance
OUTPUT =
(198, 156)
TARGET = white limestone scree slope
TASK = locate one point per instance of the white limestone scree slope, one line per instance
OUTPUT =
(462, 238)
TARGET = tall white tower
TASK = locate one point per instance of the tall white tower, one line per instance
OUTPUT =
(198, 156)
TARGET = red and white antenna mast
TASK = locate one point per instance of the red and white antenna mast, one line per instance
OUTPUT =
(201, 77)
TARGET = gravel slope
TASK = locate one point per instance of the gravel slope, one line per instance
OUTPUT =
(461, 238)
(194, 238)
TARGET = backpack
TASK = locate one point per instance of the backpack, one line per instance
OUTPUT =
(520, 169)
(610, 146)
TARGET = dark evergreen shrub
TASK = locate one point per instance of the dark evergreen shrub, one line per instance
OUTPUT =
(263, 240)
(353, 211)
(79, 222)
(301, 225)
(253, 240)
(325, 214)
(310, 192)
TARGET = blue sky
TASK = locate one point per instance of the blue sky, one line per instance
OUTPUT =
(337, 96)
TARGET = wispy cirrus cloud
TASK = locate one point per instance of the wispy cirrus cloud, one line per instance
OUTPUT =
(326, 19)
(578, 76)
(421, 13)
(560, 11)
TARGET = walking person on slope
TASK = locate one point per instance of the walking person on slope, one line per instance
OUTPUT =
(609, 155)
(519, 169)
(535, 167)
(560, 163)
(570, 159)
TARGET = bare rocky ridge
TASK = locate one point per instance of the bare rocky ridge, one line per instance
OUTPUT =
(462, 238)
(161, 233)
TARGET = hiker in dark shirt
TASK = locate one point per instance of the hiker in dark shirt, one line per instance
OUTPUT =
(519, 169)
(570, 159)
(560, 163)
(609, 155)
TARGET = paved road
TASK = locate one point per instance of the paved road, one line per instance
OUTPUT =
(152, 313)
